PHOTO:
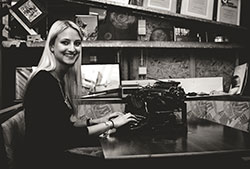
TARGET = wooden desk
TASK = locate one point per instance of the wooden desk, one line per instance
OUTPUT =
(203, 137)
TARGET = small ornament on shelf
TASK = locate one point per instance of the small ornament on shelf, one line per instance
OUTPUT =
(188, 35)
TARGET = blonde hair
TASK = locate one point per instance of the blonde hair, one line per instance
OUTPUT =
(72, 78)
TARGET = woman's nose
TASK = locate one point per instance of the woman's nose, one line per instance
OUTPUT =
(72, 47)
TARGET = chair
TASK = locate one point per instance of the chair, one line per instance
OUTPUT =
(12, 136)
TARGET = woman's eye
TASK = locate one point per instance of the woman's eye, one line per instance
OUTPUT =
(77, 43)
(65, 42)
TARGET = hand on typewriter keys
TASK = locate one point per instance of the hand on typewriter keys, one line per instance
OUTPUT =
(123, 119)
(112, 116)
(135, 125)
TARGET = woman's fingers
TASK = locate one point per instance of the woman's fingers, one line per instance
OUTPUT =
(131, 117)
(115, 114)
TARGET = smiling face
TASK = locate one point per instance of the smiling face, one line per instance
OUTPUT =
(67, 47)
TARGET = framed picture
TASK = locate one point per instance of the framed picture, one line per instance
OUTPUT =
(198, 8)
(229, 11)
(165, 5)
(30, 11)
(88, 25)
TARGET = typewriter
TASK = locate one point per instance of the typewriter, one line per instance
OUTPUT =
(158, 108)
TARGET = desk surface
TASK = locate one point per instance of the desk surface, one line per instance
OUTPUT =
(202, 137)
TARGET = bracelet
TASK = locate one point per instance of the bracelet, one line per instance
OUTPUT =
(88, 121)
(113, 124)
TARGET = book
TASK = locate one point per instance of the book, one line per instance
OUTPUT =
(228, 11)
(239, 79)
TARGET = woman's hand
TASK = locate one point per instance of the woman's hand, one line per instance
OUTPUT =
(110, 116)
(124, 119)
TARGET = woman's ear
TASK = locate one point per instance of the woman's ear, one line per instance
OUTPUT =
(52, 49)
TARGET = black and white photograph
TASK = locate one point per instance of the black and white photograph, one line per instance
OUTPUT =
(124, 84)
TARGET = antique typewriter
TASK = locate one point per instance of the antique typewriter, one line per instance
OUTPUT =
(158, 108)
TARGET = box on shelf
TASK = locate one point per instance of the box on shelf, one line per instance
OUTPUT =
(189, 35)
(198, 8)
(228, 11)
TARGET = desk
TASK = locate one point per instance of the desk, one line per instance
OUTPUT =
(203, 137)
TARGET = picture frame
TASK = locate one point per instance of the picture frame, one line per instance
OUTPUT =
(164, 5)
(29, 11)
(198, 8)
(88, 25)
(229, 11)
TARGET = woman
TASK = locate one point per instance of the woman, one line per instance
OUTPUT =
(50, 101)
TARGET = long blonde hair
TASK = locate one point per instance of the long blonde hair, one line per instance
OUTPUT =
(72, 78)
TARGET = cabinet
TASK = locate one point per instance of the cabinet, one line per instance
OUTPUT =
(163, 59)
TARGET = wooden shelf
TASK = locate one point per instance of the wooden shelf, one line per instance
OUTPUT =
(161, 44)
(140, 10)
(138, 44)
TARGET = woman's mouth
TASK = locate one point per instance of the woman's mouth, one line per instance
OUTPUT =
(70, 55)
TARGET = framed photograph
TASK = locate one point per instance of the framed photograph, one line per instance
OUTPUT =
(198, 8)
(229, 11)
(88, 25)
(165, 5)
(30, 11)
